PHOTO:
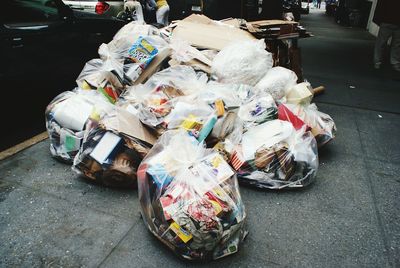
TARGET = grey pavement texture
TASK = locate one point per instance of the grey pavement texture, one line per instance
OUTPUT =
(350, 216)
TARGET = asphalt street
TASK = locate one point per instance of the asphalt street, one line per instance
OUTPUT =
(349, 217)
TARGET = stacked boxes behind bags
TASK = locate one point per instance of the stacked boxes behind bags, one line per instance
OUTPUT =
(190, 199)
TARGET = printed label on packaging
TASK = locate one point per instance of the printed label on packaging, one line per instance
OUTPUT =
(237, 160)
(159, 175)
(191, 123)
(217, 207)
(219, 107)
(224, 171)
(105, 147)
(142, 52)
(184, 235)
(109, 93)
(71, 143)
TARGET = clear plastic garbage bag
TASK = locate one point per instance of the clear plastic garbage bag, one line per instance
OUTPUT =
(135, 54)
(69, 116)
(190, 199)
(257, 110)
(162, 104)
(111, 152)
(232, 95)
(133, 30)
(274, 155)
(104, 76)
(321, 125)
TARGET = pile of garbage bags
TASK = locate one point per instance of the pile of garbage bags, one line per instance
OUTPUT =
(186, 126)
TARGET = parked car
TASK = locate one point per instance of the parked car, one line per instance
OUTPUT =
(100, 7)
(44, 45)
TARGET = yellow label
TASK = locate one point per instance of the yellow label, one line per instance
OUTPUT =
(179, 231)
(147, 46)
(95, 115)
(219, 192)
(219, 106)
(85, 85)
(217, 207)
(156, 102)
(191, 123)
(216, 161)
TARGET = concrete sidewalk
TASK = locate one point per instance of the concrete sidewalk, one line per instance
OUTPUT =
(350, 216)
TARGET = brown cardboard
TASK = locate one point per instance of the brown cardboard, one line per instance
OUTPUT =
(232, 22)
(127, 123)
(270, 23)
(153, 66)
(198, 18)
(196, 64)
(210, 36)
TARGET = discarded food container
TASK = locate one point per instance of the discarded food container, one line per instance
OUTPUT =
(301, 93)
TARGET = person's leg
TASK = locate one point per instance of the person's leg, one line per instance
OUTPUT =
(380, 44)
(135, 7)
(162, 15)
(395, 48)
(166, 15)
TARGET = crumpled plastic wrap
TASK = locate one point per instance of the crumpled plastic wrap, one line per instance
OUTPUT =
(274, 155)
(133, 30)
(277, 81)
(321, 125)
(183, 77)
(69, 116)
(184, 52)
(134, 54)
(161, 103)
(233, 95)
(111, 152)
(259, 109)
(242, 63)
(105, 76)
(190, 199)
(122, 60)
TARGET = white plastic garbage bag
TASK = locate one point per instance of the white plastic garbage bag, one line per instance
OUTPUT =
(243, 62)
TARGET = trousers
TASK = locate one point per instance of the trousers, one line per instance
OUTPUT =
(162, 15)
(386, 31)
(136, 8)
